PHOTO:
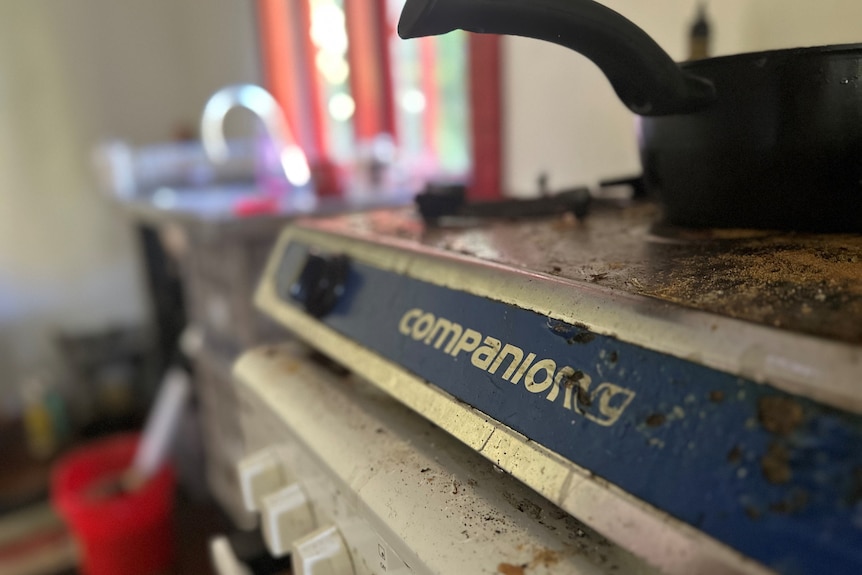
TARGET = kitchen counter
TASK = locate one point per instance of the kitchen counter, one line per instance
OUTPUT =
(213, 207)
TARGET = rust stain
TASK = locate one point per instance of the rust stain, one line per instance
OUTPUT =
(560, 328)
(779, 415)
(796, 502)
(735, 455)
(523, 505)
(565, 222)
(656, 420)
(288, 365)
(776, 465)
(584, 398)
(753, 512)
(509, 569)
(573, 379)
(582, 338)
(546, 557)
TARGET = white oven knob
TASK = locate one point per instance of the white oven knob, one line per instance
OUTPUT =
(321, 553)
(260, 474)
(285, 517)
(224, 560)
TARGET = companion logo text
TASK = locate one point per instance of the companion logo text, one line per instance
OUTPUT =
(567, 387)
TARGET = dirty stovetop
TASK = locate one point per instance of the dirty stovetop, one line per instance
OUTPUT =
(806, 283)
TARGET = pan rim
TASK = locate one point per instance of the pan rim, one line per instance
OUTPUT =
(782, 54)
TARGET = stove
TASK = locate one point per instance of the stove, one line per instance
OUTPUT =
(689, 398)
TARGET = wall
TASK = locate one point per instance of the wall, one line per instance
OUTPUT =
(561, 116)
(141, 69)
(780, 24)
(72, 74)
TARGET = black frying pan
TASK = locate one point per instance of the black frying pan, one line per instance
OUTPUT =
(764, 140)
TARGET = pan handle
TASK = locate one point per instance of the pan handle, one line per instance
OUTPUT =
(643, 75)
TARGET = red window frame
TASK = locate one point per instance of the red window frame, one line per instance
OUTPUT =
(370, 68)
(288, 58)
(486, 114)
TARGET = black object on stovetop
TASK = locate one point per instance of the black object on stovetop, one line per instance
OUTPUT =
(440, 201)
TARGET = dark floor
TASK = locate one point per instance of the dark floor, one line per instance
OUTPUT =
(196, 523)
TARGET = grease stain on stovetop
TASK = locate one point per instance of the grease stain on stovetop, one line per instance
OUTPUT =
(810, 283)
(807, 283)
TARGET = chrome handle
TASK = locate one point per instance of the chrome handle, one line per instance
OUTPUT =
(292, 159)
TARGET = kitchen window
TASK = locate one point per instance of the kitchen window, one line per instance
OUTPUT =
(354, 92)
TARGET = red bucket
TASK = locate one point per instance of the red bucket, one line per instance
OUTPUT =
(129, 533)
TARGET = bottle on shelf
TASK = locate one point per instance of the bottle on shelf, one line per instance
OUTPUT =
(700, 35)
